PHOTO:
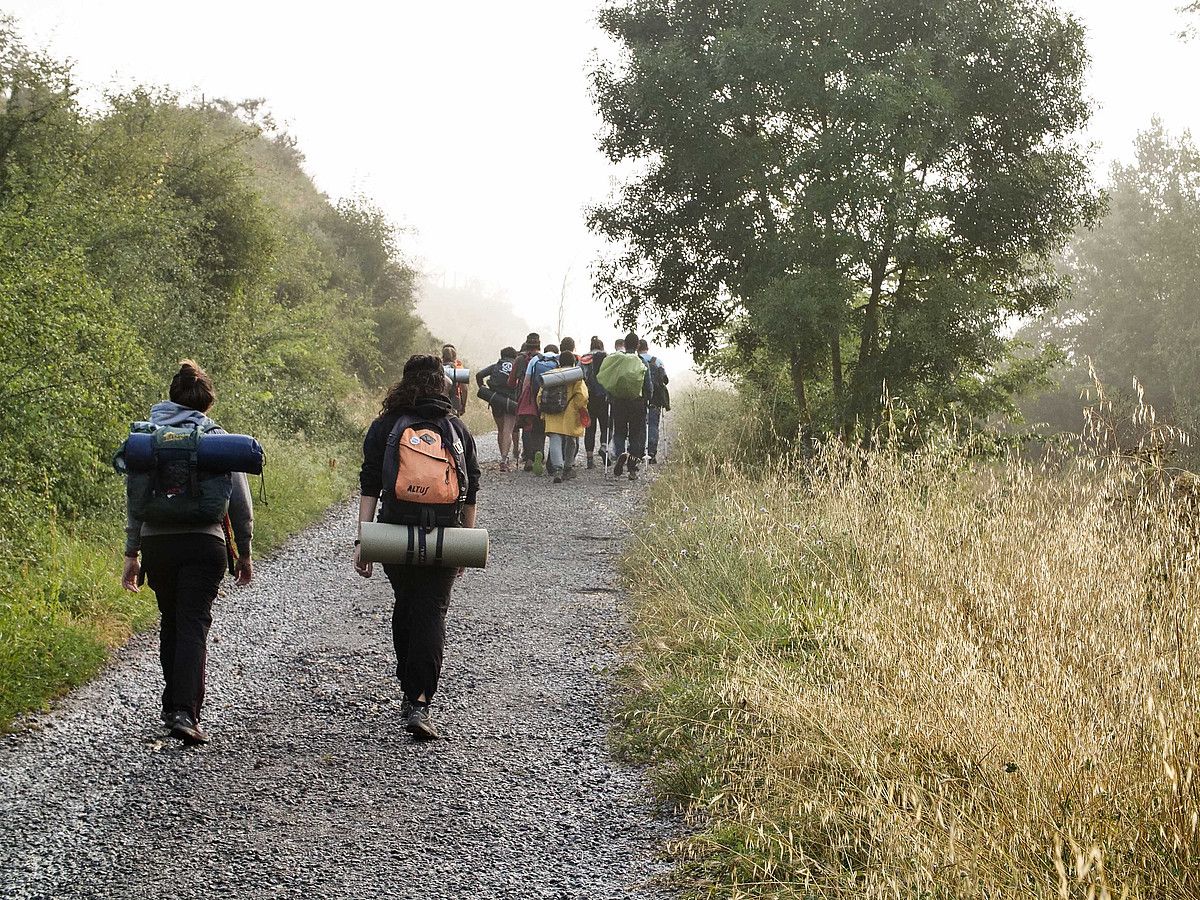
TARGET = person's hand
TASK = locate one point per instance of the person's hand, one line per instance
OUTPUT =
(362, 568)
(243, 571)
(129, 578)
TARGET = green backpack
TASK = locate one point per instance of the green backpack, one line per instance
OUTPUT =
(623, 375)
(175, 491)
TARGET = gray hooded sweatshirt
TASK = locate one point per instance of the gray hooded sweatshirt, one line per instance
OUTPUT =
(241, 510)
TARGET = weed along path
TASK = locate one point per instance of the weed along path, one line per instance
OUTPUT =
(310, 788)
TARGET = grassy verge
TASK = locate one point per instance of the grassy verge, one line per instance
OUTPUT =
(63, 610)
(919, 675)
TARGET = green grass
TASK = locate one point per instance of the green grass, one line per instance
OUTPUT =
(62, 610)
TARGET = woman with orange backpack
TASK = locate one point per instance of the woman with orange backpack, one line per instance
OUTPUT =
(415, 433)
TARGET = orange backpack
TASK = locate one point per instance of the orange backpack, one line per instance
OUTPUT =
(424, 474)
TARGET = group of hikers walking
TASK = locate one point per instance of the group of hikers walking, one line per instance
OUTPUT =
(190, 512)
(544, 399)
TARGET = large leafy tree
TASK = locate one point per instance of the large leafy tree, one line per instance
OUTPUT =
(1135, 309)
(870, 189)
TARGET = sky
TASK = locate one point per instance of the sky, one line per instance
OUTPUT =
(469, 121)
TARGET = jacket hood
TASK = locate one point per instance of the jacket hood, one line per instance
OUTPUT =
(174, 415)
(433, 407)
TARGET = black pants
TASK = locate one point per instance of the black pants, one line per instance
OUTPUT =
(533, 440)
(629, 423)
(185, 572)
(419, 625)
(601, 422)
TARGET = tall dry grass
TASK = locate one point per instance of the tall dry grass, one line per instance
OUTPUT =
(919, 674)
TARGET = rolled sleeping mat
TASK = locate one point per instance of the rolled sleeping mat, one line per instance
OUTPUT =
(563, 376)
(498, 401)
(217, 453)
(458, 376)
(413, 545)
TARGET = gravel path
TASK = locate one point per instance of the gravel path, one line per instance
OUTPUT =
(309, 788)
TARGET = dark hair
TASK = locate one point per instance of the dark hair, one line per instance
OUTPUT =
(566, 358)
(567, 343)
(423, 377)
(631, 342)
(508, 353)
(643, 346)
(533, 340)
(620, 341)
(551, 348)
(449, 352)
(597, 344)
(191, 387)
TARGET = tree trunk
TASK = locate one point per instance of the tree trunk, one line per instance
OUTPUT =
(839, 384)
(801, 394)
(862, 403)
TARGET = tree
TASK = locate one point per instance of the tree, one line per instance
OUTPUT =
(871, 188)
(1135, 310)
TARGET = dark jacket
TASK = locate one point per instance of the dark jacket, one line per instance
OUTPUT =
(481, 377)
(370, 478)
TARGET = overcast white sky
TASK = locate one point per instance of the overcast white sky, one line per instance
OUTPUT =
(469, 120)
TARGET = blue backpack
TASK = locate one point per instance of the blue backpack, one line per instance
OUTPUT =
(539, 366)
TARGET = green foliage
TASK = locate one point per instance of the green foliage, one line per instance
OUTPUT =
(1136, 275)
(131, 236)
(871, 189)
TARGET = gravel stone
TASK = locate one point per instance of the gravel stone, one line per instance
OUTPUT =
(311, 787)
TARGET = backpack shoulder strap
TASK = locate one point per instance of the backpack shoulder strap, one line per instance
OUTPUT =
(451, 428)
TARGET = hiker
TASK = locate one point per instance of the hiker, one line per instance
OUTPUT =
(503, 403)
(533, 435)
(600, 424)
(619, 345)
(416, 408)
(458, 392)
(185, 562)
(658, 400)
(564, 409)
(625, 377)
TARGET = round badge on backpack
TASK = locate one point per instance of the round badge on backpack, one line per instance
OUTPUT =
(414, 440)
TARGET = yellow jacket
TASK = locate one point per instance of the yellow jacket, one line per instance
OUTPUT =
(567, 422)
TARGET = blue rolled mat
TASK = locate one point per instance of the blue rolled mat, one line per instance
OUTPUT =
(217, 453)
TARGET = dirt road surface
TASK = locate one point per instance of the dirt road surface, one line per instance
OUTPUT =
(310, 788)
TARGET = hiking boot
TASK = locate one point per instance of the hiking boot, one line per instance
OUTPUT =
(420, 723)
(186, 728)
(654, 460)
(504, 465)
(591, 463)
(539, 463)
(633, 471)
(569, 473)
(619, 467)
(406, 708)
(558, 479)
(528, 465)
